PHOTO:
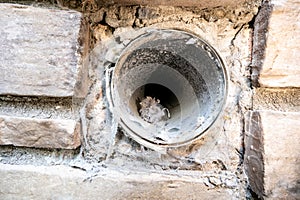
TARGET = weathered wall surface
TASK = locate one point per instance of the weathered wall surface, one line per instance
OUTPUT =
(60, 182)
(68, 59)
(277, 25)
(40, 45)
(275, 170)
(186, 3)
(39, 57)
(272, 130)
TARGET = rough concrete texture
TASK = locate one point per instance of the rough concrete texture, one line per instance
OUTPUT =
(215, 159)
(36, 156)
(39, 51)
(211, 167)
(286, 100)
(220, 149)
(37, 107)
(187, 3)
(141, 16)
(61, 182)
(276, 39)
(272, 154)
(40, 133)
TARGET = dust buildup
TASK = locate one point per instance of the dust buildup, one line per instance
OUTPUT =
(152, 111)
(110, 21)
(139, 16)
(103, 22)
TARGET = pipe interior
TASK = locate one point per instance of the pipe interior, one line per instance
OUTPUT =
(185, 76)
(166, 97)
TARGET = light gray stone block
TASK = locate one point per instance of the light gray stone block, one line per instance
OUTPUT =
(276, 44)
(62, 182)
(40, 133)
(39, 51)
(272, 157)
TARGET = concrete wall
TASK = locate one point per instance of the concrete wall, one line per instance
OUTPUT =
(56, 133)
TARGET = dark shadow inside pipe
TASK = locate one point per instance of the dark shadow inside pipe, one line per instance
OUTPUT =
(165, 96)
(179, 69)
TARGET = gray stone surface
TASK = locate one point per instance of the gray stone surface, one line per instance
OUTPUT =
(39, 51)
(254, 155)
(272, 156)
(62, 182)
(41, 133)
(276, 44)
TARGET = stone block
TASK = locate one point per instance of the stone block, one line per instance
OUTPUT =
(276, 44)
(40, 133)
(272, 157)
(62, 182)
(40, 51)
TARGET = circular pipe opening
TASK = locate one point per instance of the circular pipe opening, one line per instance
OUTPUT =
(168, 87)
